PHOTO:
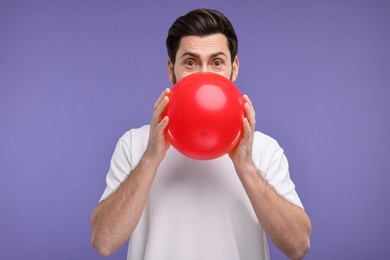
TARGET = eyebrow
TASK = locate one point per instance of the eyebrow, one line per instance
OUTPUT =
(195, 55)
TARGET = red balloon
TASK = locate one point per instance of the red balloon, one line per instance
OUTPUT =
(205, 113)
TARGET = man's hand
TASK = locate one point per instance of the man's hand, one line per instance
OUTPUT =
(241, 155)
(115, 218)
(158, 144)
(287, 225)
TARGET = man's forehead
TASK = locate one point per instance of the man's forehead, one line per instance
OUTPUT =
(204, 45)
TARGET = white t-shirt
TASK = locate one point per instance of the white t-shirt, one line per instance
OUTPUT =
(198, 210)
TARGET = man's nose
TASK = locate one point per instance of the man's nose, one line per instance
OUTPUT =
(205, 68)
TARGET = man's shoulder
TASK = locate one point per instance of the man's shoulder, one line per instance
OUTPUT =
(142, 131)
(264, 146)
(264, 139)
(137, 137)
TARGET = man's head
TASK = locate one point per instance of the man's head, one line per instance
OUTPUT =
(202, 40)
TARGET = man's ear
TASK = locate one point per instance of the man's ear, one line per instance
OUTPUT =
(235, 68)
(171, 72)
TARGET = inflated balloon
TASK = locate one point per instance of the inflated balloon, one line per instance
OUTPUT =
(205, 113)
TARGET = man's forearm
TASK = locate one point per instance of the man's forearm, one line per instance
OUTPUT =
(287, 225)
(115, 218)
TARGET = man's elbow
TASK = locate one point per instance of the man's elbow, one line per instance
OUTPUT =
(103, 248)
(99, 240)
(300, 250)
(302, 244)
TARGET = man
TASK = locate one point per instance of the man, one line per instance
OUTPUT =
(173, 207)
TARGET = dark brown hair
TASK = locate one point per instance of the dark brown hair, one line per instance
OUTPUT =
(201, 22)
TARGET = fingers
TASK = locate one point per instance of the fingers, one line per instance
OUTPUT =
(250, 112)
(163, 123)
(158, 144)
(164, 94)
(242, 154)
(247, 129)
(160, 106)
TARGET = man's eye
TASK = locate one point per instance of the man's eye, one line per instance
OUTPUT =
(189, 63)
(218, 63)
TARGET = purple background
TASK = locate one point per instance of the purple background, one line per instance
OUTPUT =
(75, 75)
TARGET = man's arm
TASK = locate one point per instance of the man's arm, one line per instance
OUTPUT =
(114, 219)
(287, 225)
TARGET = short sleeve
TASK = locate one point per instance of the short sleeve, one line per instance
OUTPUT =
(127, 154)
(272, 163)
(120, 167)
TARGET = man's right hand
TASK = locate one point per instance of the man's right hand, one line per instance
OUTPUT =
(158, 144)
(115, 218)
